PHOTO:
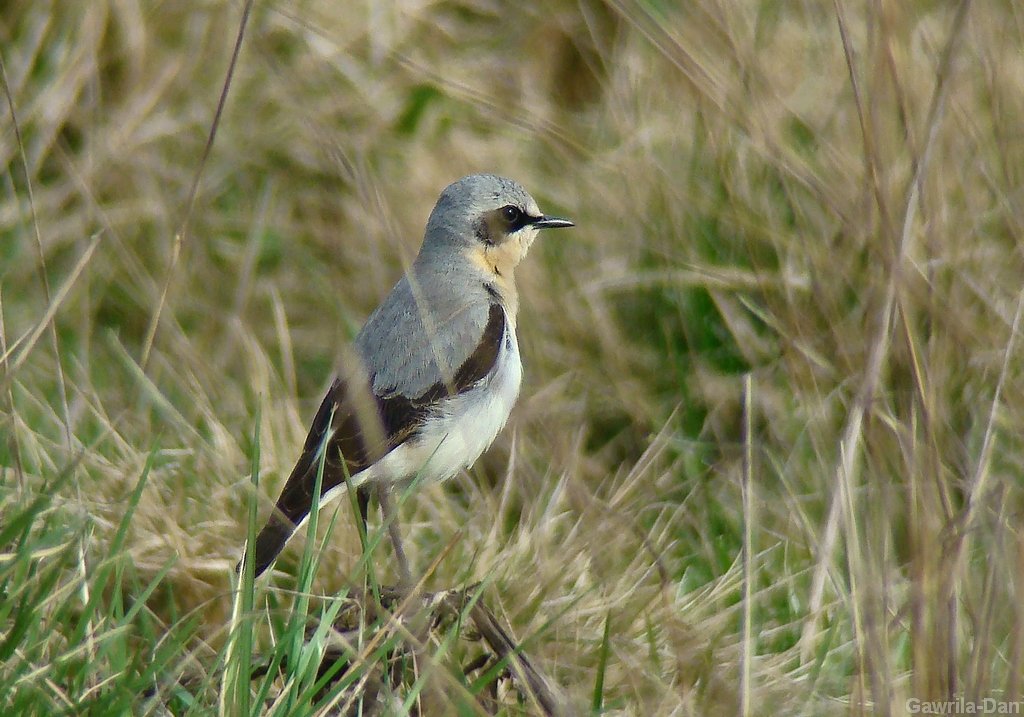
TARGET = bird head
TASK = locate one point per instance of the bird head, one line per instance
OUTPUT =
(492, 219)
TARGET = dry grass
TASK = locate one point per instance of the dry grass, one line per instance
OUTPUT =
(825, 198)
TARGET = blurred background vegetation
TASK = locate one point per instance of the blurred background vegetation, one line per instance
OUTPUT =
(787, 319)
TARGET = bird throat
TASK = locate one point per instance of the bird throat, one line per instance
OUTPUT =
(498, 263)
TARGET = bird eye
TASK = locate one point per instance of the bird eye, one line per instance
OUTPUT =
(511, 214)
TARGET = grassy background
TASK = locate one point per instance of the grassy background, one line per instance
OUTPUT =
(770, 427)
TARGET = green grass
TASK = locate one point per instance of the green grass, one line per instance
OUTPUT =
(822, 199)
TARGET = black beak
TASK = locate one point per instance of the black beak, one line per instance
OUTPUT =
(552, 223)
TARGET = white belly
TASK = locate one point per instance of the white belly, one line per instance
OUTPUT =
(461, 428)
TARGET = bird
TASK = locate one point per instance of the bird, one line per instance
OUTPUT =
(433, 374)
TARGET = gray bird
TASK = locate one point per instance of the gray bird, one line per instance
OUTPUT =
(435, 370)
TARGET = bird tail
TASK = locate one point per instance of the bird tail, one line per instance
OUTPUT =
(269, 543)
(294, 503)
(280, 528)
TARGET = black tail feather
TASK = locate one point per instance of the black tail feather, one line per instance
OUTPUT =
(269, 543)
(278, 530)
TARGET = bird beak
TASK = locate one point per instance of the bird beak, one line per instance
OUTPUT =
(552, 223)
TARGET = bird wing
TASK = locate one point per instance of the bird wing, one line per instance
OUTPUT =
(427, 328)
(362, 419)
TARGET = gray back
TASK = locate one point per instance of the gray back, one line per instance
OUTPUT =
(424, 330)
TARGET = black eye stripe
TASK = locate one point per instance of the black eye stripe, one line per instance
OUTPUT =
(514, 218)
(495, 225)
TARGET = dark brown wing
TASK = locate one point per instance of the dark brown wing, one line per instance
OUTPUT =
(363, 434)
